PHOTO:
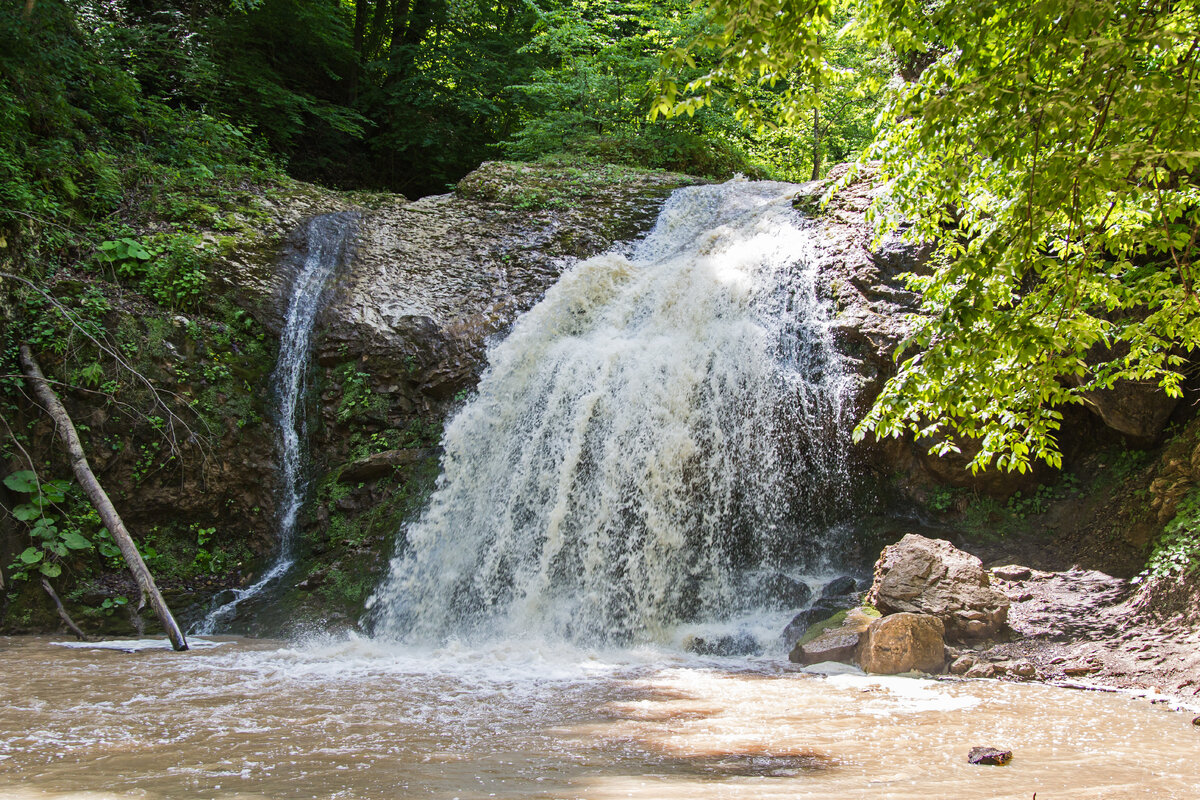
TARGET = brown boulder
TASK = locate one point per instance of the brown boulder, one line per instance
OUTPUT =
(902, 643)
(930, 576)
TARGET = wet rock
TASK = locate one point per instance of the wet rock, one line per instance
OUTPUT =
(838, 587)
(902, 643)
(835, 645)
(930, 576)
(838, 642)
(989, 755)
(735, 644)
(778, 591)
(1196, 721)
(821, 609)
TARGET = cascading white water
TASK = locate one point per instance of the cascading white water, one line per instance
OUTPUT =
(653, 442)
(327, 239)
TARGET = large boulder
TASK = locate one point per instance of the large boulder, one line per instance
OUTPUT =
(903, 643)
(931, 576)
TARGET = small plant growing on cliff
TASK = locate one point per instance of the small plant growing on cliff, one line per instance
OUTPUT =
(1177, 551)
(357, 397)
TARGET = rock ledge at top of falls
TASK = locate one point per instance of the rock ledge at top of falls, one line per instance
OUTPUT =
(431, 280)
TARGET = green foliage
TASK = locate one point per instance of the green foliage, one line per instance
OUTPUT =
(1063, 201)
(1176, 552)
(1049, 150)
(357, 398)
(798, 72)
(591, 94)
(1123, 463)
(54, 533)
(941, 499)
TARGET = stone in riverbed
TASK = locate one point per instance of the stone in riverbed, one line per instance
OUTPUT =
(989, 755)
(983, 670)
(821, 609)
(902, 643)
(931, 576)
(838, 642)
(1022, 668)
(1012, 572)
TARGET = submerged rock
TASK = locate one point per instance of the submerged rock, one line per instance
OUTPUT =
(903, 643)
(932, 576)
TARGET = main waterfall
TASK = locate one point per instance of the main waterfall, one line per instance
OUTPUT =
(660, 440)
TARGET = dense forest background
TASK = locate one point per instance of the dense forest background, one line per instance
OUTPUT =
(403, 95)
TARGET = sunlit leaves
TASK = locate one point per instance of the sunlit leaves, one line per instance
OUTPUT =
(1051, 151)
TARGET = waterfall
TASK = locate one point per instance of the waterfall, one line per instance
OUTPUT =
(328, 238)
(656, 442)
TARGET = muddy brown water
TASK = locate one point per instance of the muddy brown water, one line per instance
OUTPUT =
(352, 718)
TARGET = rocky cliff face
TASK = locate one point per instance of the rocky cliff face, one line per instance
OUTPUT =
(872, 302)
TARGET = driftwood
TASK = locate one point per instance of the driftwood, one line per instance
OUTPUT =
(98, 497)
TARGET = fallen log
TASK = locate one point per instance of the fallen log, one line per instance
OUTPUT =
(98, 497)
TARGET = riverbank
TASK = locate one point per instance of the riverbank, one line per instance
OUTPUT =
(1083, 628)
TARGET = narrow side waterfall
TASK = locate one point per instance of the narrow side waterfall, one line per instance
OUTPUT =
(660, 441)
(328, 237)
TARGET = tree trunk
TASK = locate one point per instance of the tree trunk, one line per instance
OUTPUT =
(816, 173)
(99, 498)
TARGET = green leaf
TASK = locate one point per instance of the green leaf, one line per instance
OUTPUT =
(32, 555)
(76, 541)
(27, 512)
(50, 570)
(24, 481)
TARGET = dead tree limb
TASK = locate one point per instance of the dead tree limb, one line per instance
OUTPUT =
(99, 498)
(62, 612)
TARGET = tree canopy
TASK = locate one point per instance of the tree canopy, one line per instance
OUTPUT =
(1051, 152)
